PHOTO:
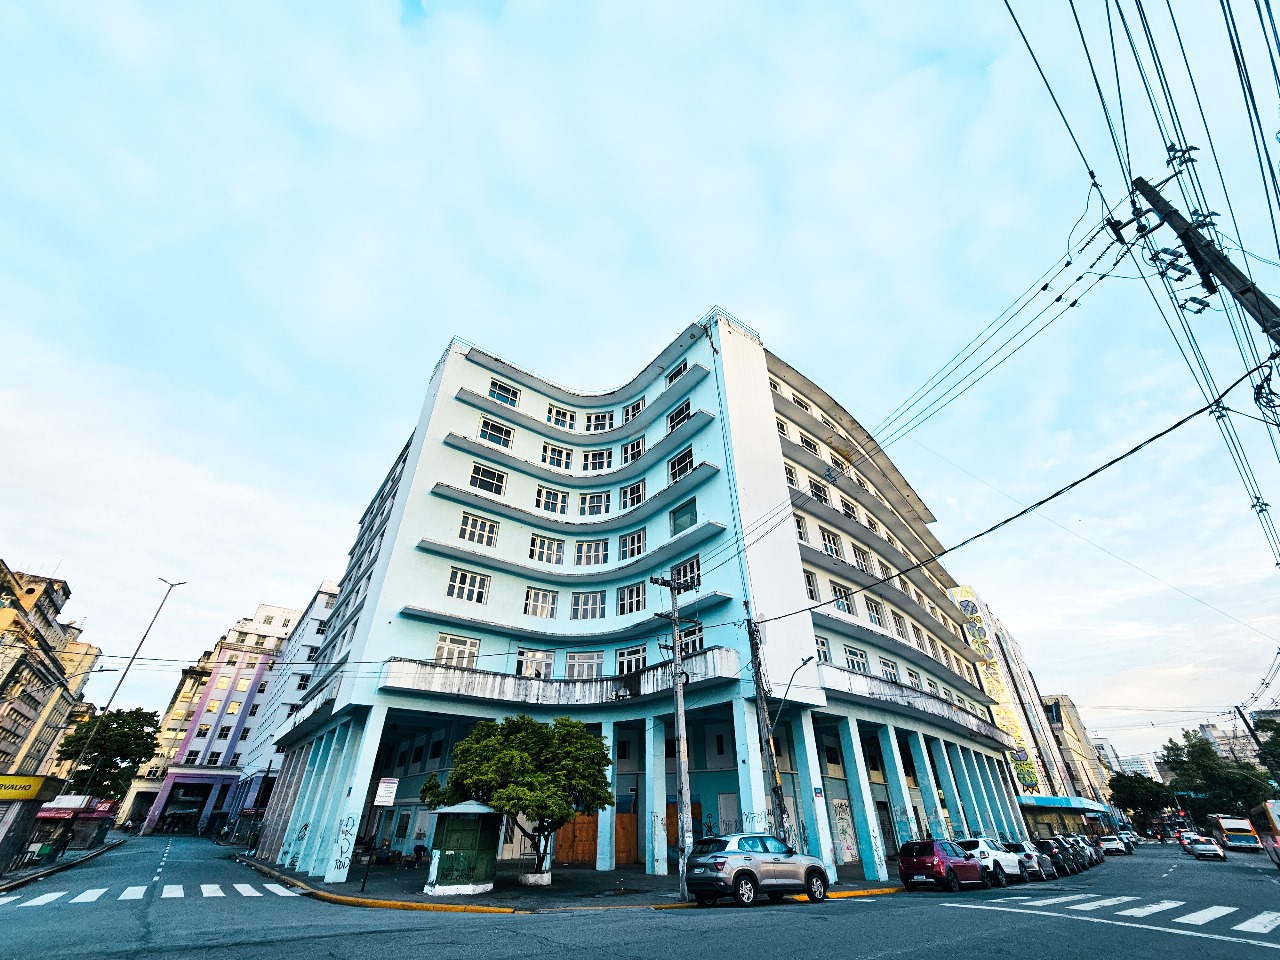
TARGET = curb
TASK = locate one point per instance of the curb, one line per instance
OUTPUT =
(58, 867)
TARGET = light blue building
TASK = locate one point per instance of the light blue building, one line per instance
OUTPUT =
(503, 567)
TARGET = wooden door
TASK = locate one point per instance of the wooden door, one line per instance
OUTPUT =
(626, 838)
(576, 840)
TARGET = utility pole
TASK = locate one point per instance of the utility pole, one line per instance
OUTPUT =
(684, 811)
(1256, 739)
(781, 820)
(1211, 263)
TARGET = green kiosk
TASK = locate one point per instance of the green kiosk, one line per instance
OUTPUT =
(464, 849)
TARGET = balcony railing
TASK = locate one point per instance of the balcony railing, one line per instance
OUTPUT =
(706, 667)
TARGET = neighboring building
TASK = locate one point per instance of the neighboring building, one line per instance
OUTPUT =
(1234, 744)
(503, 567)
(1108, 755)
(193, 797)
(1143, 765)
(52, 766)
(1087, 775)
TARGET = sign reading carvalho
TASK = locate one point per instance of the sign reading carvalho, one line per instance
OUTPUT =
(20, 788)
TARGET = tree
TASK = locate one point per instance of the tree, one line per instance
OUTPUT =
(543, 774)
(1143, 797)
(1206, 783)
(114, 745)
(1269, 754)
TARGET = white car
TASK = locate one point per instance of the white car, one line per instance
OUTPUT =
(1205, 848)
(1114, 845)
(1001, 864)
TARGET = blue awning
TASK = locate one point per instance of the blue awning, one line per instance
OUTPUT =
(1064, 803)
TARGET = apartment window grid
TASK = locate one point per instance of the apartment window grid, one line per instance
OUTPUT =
(838, 465)
(899, 624)
(586, 665)
(790, 472)
(560, 417)
(633, 450)
(546, 549)
(934, 649)
(677, 372)
(304, 681)
(818, 491)
(535, 664)
(824, 649)
(593, 460)
(681, 465)
(855, 659)
(590, 553)
(848, 509)
(468, 585)
(679, 415)
(809, 444)
(684, 516)
(631, 659)
(875, 612)
(872, 525)
(913, 678)
(832, 543)
(479, 530)
(631, 411)
(587, 606)
(202, 730)
(631, 544)
(688, 573)
(631, 496)
(631, 599)
(691, 640)
(496, 433)
(773, 385)
(598, 422)
(802, 528)
(504, 393)
(558, 457)
(799, 402)
(540, 603)
(946, 695)
(593, 504)
(844, 601)
(933, 687)
(782, 427)
(889, 670)
(886, 571)
(224, 732)
(214, 759)
(551, 500)
(811, 587)
(488, 479)
(918, 636)
(457, 651)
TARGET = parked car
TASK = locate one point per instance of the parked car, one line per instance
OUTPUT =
(1078, 856)
(1206, 848)
(1087, 850)
(1003, 864)
(1039, 865)
(1186, 838)
(745, 865)
(1113, 845)
(1064, 862)
(940, 863)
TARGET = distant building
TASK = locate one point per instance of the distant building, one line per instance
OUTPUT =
(1087, 774)
(1108, 755)
(1144, 766)
(1233, 744)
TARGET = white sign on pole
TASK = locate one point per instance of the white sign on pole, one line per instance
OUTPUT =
(386, 795)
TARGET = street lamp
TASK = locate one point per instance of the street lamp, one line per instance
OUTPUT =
(783, 702)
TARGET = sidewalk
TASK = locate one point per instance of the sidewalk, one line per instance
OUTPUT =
(20, 878)
(572, 888)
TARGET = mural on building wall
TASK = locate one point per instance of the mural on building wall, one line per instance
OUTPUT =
(846, 841)
(996, 684)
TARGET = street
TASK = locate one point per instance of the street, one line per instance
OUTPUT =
(180, 897)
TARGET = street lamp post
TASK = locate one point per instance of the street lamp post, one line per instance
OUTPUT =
(783, 702)
(776, 786)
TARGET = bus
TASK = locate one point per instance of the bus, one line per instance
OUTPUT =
(1234, 833)
(1266, 822)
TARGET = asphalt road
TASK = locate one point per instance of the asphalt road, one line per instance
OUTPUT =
(176, 898)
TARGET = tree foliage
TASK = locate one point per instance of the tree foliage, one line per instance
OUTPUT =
(1207, 783)
(1141, 796)
(118, 742)
(1269, 733)
(545, 774)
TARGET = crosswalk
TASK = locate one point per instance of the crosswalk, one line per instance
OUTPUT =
(168, 891)
(1169, 911)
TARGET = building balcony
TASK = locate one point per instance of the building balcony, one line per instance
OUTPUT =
(840, 683)
(714, 665)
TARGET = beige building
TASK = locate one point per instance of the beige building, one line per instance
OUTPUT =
(1086, 772)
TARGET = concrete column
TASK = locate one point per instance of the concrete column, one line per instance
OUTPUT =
(300, 824)
(354, 788)
(928, 785)
(1012, 814)
(986, 817)
(950, 792)
(861, 803)
(606, 820)
(895, 779)
(1004, 828)
(968, 796)
(655, 796)
(813, 807)
(313, 852)
(329, 850)
(753, 799)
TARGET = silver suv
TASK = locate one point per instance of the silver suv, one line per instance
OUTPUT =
(745, 865)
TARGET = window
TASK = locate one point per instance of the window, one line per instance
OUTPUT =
(631, 659)
(848, 509)
(861, 559)
(587, 606)
(631, 599)
(633, 450)
(917, 636)
(202, 730)
(679, 371)
(678, 416)
(809, 444)
(589, 553)
(503, 393)
(479, 530)
(933, 687)
(457, 651)
(242, 685)
(946, 658)
(552, 501)
(540, 603)
(824, 649)
(818, 491)
(773, 385)
(946, 694)
(790, 473)
(811, 587)
(844, 598)
(468, 585)
(233, 660)
(913, 678)
(259, 641)
(684, 516)
(598, 422)
(631, 544)
(193, 756)
(855, 659)
(262, 687)
(495, 433)
(214, 759)
(533, 663)
(559, 417)
(584, 666)
(224, 732)
(838, 465)
(691, 640)
(935, 649)
(832, 543)
(681, 465)
(558, 457)
(782, 427)
(545, 549)
(488, 479)
(688, 574)
(875, 612)
(632, 411)
(872, 525)
(631, 496)
(286, 623)
(304, 681)
(802, 529)
(268, 620)
(899, 624)
(593, 504)
(597, 459)
(253, 709)
(329, 602)
(222, 682)
(233, 707)
(800, 403)
(862, 483)
(886, 571)
(889, 670)
(214, 706)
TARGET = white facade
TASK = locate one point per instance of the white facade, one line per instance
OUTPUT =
(1141, 765)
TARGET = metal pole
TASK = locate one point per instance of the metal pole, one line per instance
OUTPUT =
(684, 811)
(781, 819)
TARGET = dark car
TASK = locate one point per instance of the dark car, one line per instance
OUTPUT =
(1063, 862)
(938, 863)
(1081, 859)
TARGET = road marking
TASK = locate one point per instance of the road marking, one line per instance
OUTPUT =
(1099, 904)
(1262, 923)
(1151, 908)
(279, 891)
(246, 890)
(44, 898)
(89, 896)
(1201, 917)
(132, 893)
(1045, 903)
(1006, 899)
(211, 890)
(4, 900)
(155, 878)
(172, 890)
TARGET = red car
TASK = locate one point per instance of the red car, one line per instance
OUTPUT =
(940, 863)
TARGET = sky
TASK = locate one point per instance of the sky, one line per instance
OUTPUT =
(235, 239)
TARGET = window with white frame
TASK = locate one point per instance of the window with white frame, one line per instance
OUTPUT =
(688, 573)
(824, 649)
(593, 504)
(479, 530)
(946, 658)
(631, 496)
(684, 516)
(559, 457)
(946, 694)
(457, 651)
(855, 659)
(899, 624)
(488, 479)
(590, 553)
(809, 444)
(546, 549)
(551, 500)
(631, 659)
(872, 525)
(782, 427)
(861, 559)
(889, 670)
(862, 483)
(917, 636)
(631, 411)
(495, 432)
(586, 665)
(540, 603)
(678, 371)
(801, 403)
(679, 415)
(691, 641)
(913, 678)
(886, 571)
(468, 585)
(597, 422)
(934, 649)
(504, 393)
(681, 465)
(811, 587)
(631, 544)
(773, 385)
(597, 459)
(848, 509)
(802, 528)
(534, 663)
(631, 598)
(843, 598)
(933, 687)
(832, 543)
(560, 417)
(633, 450)
(818, 491)
(875, 612)
(838, 465)
(587, 606)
